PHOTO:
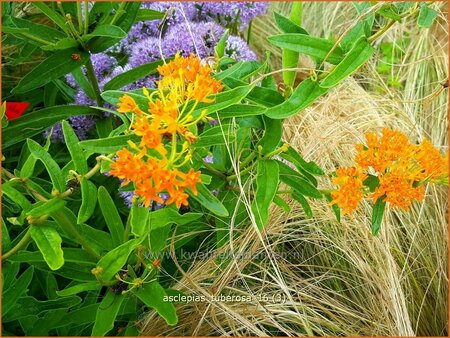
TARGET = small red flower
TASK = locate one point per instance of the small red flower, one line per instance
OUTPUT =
(15, 109)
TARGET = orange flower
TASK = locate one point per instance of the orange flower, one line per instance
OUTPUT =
(349, 194)
(185, 82)
(128, 105)
(398, 189)
(434, 166)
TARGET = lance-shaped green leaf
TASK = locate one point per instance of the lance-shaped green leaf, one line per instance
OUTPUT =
(355, 58)
(81, 79)
(273, 130)
(71, 255)
(62, 44)
(303, 202)
(11, 295)
(209, 201)
(315, 47)
(88, 201)
(49, 242)
(43, 32)
(107, 313)
(76, 152)
(73, 290)
(111, 215)
(267, 180)
(311, 167)
(6, 239)
(427, 16)
(36, 122)
(50, 164)
(334, 207)
(145, 14)
(132, 75)
(52, 15)
(287, 26)
(303, 96)
(223, 100)
(52, 68)
(241, 110)
(138, 220)
(109, 31)
(296, 181)
(154, 296)
(16, 196)
(377, 215)
(47, 208)
(107, 145)
(220, 134)
(114, 260)
(219, 50)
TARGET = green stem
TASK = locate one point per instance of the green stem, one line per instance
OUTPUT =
(80, 17)
(94, 82)
(381, 31)
(118, 13)
(19, 245)
(247, 160)
(290, 58)
(86, 17)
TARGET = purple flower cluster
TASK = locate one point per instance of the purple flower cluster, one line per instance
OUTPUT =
(189, 27)
(128, 199)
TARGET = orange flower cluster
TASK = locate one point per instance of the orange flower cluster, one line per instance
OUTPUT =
(150, 166)
(401, 168)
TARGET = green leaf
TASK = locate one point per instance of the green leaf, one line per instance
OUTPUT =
(304, 203)
(16, 196)
(52, 68)
(209, 201)
(389, 11)
(220, 134)
(273, 130)
(132, 75)
(356, 57)
(377, 215)
(241, 110)
(334, 207)
(223, 100)
(6, 240)
(153, 295)
(288, 26)
(303, 96)
(138, 220)
(296, 181)
(111, 215)
(73, 290)
(71, 255)
(88, 200)
(41, 31)
(267, 181)
(282, 203)
(50, 164)
(49, 242)
(36, 122)
(11, 295)
(76, 152)
(315, 47)
(62, 44)
(371, 182)
(83, 82)
(109, 31)
(112, 97)
(219, 49)
(107, 145)
(106, 314)
(114, 260)
(47, 208)
(28, 306)
(145, 14)
(52, 15)
(427, 16)
(311, 167)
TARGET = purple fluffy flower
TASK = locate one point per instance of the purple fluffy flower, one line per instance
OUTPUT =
(144, 51)
(102, 64)
(127, 197)
(226, 13)
(238, 49)
(81, 126)
(199, 38)
(208, 159)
